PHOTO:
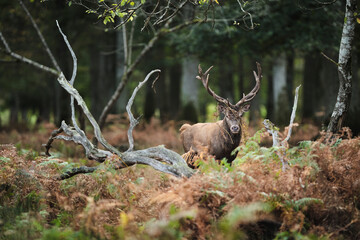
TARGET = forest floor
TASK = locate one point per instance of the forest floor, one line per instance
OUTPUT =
(317, 197)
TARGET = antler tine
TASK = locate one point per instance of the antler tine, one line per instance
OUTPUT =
(204, 77)
(247, 98)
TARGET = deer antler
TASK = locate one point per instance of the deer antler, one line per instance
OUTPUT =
(247, 98)
(204, 77)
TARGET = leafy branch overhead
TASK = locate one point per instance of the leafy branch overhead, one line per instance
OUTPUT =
(158, 12)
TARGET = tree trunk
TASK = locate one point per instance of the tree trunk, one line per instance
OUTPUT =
(281, 104)
(174, 86)
(102, 72)
(189, 88)
(344, 69)
(121, 60)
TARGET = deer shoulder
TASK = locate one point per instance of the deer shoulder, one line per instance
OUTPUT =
(221, 138)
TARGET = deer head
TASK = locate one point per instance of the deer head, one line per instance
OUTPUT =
(232, 112)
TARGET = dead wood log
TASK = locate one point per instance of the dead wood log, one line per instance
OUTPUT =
(159, 157)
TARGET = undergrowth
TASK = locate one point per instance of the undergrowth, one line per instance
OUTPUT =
(316, 198)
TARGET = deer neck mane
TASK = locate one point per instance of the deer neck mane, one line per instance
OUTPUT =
(225, 130)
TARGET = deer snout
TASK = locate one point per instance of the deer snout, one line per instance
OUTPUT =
(234, 129)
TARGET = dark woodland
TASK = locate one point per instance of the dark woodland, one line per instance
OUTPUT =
(110, 127)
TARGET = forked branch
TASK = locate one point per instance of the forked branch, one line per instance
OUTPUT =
(160, 158)
(274, 132)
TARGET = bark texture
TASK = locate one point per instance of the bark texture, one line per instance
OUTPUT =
(344, 69)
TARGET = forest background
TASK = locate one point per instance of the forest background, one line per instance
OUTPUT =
(289, 38)
(307, 188)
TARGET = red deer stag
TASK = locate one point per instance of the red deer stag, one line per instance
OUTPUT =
(221, 138)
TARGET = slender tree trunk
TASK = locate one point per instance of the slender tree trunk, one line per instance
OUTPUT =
(189, 88)
(102, 72)
(281, 104)
(344, 69)
(121, 54)
(174, 86)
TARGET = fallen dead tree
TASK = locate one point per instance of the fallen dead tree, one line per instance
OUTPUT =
(160, 158)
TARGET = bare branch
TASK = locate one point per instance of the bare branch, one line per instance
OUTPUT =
(56, 65)
(150, 15)
(246, 13)
(133, 121)
(7, 48)
(161, 159)
(72, 80)
(274, 131)
(73, 92)
(293, 113)
(75, 171)
(26, 60)
(160, 20)
(50, 141)
(133, 11)
(328, 58)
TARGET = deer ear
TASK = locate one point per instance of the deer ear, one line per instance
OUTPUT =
(244, 109)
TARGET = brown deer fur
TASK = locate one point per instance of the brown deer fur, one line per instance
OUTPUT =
(221, 138)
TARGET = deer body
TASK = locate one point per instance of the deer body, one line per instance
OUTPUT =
(221, 138)
(213, 138)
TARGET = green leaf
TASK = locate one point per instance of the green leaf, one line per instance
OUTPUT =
(112, 13)
(4, 159)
